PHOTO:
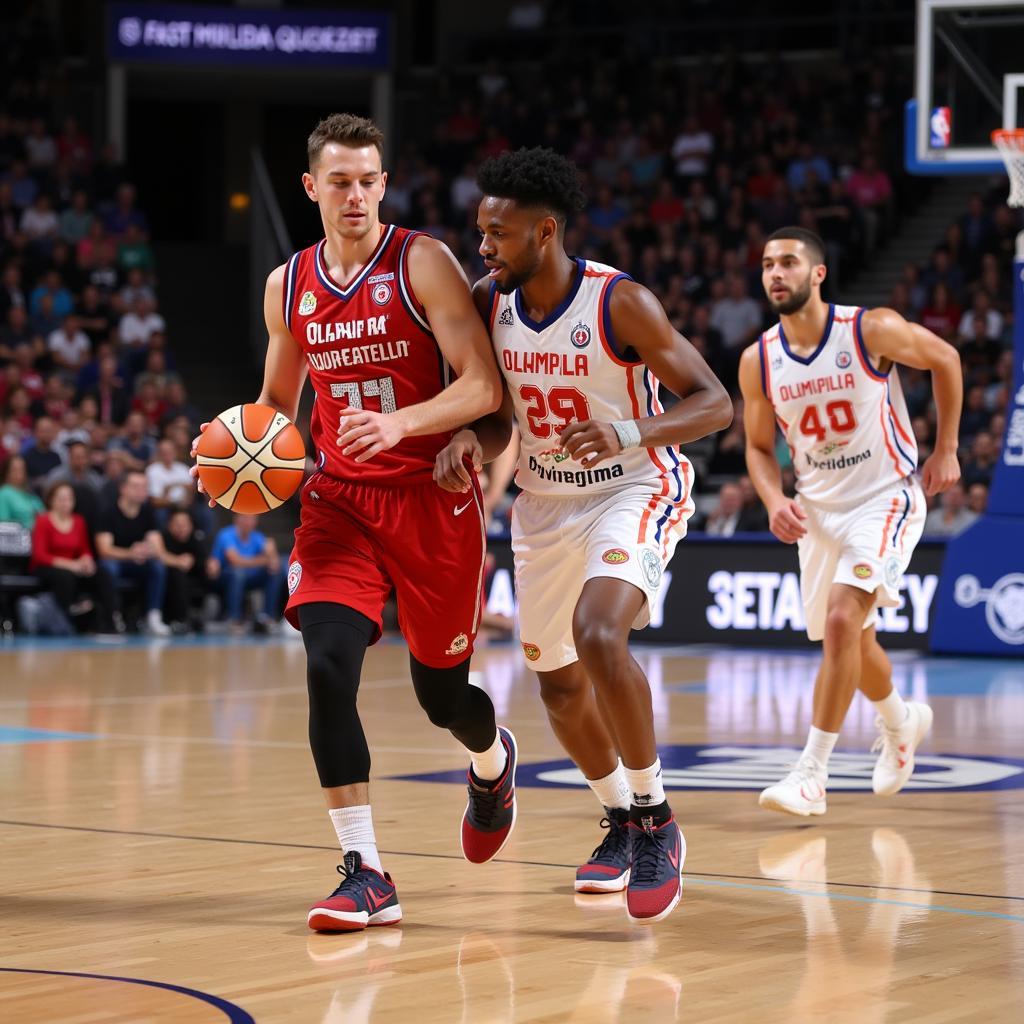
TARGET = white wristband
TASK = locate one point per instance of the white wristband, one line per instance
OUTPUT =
(628, 433)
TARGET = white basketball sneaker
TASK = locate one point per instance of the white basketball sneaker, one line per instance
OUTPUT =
(896, 761)
(801, 792)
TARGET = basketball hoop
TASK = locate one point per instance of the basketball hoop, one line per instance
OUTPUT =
(1010, 143)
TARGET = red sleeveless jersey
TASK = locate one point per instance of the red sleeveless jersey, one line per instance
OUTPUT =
(368, 345)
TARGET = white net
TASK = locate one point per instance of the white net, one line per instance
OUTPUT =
(1010, 144)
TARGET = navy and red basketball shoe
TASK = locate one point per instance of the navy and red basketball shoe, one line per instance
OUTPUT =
(656, 869)
(608, 867)
(365, 898)
(491, 810)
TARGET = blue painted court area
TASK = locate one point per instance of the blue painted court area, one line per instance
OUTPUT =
(17, 734)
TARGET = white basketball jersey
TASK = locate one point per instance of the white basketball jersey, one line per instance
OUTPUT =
(845, 422)
(569, 367)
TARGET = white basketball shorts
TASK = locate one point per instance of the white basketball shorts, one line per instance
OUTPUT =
(868, 547)
(560, 543)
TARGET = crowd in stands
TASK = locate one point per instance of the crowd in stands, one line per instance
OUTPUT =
(96, 501)
(688, 170)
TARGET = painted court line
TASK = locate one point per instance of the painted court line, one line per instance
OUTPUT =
(694, 877)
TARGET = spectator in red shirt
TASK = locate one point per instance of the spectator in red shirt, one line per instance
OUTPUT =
(871, 191)
(62, 557)
(942, 314)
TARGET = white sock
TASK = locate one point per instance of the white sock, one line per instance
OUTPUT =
(490, 763)
(354, 826)
(893, 709)
(612, 790)
(645, 785)
(820, 745)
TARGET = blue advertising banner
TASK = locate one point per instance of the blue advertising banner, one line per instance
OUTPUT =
(1007, 495)
(253, 37)
(979, 607)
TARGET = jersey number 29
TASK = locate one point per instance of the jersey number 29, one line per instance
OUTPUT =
(565, 404)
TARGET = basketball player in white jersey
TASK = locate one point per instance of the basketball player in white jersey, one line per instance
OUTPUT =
(825, 376)
(606, 497)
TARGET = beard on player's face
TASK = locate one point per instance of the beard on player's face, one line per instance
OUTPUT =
(520, 271)
(795, 299)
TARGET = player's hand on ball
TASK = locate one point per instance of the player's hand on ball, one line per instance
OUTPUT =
(194, 469)
(940, 471)
(363, 434)
(785, 520)
(450, 473)
(589, 441)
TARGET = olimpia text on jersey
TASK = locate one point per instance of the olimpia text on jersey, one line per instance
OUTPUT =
(845, 421)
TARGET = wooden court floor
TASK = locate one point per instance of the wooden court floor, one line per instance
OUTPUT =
(162, 836)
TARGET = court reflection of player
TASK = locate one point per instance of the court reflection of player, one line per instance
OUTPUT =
(847, 978)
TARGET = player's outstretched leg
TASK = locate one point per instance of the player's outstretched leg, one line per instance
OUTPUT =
(335, 638)
(902, 725)
(602, 620)
(577, 723)
(452, 702)
(803, 791)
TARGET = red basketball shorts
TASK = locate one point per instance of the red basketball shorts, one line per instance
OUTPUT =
(357, 542)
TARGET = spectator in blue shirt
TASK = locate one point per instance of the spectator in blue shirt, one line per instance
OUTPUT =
(245, 559)
(807, 160)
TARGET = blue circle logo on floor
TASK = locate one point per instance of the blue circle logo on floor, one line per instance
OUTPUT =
(753, 768)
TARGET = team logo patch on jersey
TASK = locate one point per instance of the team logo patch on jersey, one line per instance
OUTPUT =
(307, 304)
(862, 570)
(294, 576)
(555, 455)
(650, 562)
(507, 319)
(532, 652)
(381, 293)
(843, 359)
(580, 335)
(776, 362)
(892, 571)
(615, 556)
(459, 645)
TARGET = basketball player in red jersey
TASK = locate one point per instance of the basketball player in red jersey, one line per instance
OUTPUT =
(376, 315)
(606, 497)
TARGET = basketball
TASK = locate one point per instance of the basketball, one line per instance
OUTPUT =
(251, 459)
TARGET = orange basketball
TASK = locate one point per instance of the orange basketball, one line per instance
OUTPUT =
(251, 459)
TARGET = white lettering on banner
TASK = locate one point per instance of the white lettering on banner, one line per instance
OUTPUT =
(247, 36)
(658, 605)
(173, 34)
(1013, 448)
(502, 598)
(771, 601)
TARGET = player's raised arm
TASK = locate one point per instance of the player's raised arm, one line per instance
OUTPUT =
(639, 322)
(285, 368)
(784, 514)
(887, 336)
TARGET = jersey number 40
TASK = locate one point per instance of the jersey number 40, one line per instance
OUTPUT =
(840, 418)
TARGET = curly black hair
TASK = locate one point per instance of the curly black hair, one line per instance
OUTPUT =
(534, 177)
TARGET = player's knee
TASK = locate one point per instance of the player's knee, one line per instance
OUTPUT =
(329, 680)
(443, 693)
(843, 623)
(560, 695)
(599, 643)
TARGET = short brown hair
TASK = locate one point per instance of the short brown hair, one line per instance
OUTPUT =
(346, 130)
